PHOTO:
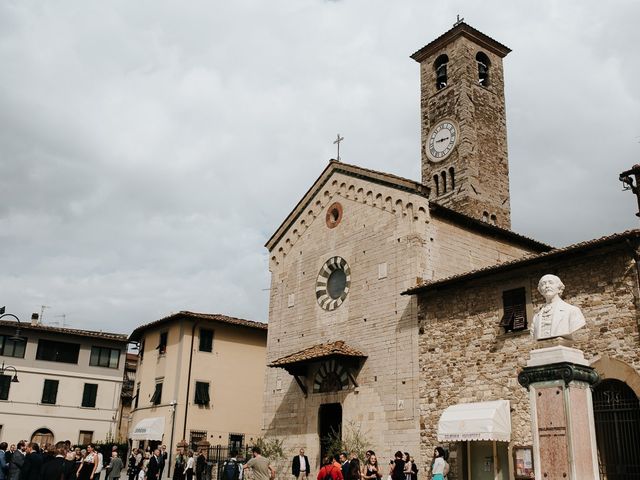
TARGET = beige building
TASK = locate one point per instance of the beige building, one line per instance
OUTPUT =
(199, 377)
(343, 343)
(69, 383)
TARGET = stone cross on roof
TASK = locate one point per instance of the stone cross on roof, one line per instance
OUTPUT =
(337, 142)
(458, 21)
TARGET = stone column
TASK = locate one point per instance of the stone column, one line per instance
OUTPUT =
(559, 381)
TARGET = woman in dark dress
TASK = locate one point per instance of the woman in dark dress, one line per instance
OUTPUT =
(132, 468)
(88, 465)
(178, 471)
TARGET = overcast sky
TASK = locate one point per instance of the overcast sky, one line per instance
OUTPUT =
(148, 149)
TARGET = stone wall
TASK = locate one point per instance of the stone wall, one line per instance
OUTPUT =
(380, 226)
(466, 357)
(480, 159)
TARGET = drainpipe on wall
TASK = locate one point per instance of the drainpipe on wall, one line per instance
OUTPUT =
(173, 428)
(186, 402)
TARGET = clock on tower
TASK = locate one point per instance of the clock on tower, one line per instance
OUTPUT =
(464, 134)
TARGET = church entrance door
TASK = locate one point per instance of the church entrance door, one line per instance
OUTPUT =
(329, 425)
(616, 411)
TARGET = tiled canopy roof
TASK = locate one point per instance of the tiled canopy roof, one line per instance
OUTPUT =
(323, 350)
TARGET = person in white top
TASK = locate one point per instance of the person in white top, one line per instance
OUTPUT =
(188, 467)
(439, 468)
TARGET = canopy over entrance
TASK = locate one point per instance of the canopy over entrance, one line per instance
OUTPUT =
(340, 363)
(476, 421)
(149, 429)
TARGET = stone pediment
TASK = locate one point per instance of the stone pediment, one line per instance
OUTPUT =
(349, 182)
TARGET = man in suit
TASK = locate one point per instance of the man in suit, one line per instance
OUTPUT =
(153, 469)
(17, 460)
(344, 464)
(32, 463)
(557, 318)
(4, 466)
(163, 459)
(300, 467)
(53, 468)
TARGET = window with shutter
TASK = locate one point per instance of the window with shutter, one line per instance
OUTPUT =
(514, 303)
(89, 395)
(202, 393)
(5, 385)
(157, 394)
(162, 344)
(50, 392)
(206, 340)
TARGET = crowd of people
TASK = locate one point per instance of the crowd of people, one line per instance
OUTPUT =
(27, 461)
(345, 467)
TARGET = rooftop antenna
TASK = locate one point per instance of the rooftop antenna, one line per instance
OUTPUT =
(337, 142)
(42, 308)
(64, 320)
(458, 20)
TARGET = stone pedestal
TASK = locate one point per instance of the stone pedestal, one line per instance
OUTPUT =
(559, 381)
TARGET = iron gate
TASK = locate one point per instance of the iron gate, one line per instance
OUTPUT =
(218, 454)
(616, 411)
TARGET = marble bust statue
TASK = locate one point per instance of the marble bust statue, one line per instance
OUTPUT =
(556, 318)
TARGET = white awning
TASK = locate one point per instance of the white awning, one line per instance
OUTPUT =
(148, 429)
(476, 421)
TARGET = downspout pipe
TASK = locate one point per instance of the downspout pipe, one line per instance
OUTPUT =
(186, 402)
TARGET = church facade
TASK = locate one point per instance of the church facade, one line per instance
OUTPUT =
(373, 323)
(343, 343)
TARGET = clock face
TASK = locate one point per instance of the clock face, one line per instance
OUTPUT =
(442, 139)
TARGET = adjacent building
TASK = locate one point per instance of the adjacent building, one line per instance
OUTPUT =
(68, 384)
(200, 377)
(474, 339)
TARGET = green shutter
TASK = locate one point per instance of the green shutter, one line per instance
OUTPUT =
(89, 395)
(5, 384)
(50, 391)
(202, 393)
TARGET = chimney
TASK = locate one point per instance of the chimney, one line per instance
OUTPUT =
(34, 319)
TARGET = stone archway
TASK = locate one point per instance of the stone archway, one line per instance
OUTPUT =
(612, 368)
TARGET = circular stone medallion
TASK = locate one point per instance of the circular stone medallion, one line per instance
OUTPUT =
(332, 285)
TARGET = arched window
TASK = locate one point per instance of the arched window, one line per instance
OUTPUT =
(494, 219)
(485, 217)
(436, 180)
(452, 178)
(483, 69)
(440, 66)
(444, 182)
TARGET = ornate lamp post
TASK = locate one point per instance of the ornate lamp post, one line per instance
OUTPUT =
(16, 338)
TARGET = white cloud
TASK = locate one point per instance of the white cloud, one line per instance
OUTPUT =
(149, 149)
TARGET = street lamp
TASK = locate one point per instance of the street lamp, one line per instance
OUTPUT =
(4, 368)
(15, 338)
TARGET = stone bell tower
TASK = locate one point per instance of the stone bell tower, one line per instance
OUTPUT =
(464, 133)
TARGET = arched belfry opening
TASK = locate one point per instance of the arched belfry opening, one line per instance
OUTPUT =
(440, 66)
(484, 65)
